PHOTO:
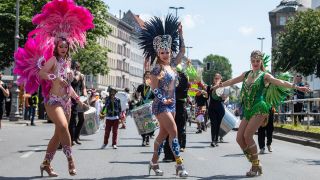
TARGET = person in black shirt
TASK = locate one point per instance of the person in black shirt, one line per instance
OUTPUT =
(4, 92)
(266, 130)
(298, 106)
(79, 86)
(144, 91)
(8, 101)
(216, 110)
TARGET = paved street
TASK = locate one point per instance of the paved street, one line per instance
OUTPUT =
(22, 150)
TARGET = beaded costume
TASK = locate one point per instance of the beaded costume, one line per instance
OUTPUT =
(257, 98)
(167, 84)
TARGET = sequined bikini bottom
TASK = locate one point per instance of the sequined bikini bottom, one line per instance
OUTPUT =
(62, 101)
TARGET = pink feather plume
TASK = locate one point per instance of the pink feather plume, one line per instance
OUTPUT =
(27, 64)
(63, 18)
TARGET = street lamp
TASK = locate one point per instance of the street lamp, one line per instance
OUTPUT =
(176, 8)
(14, 114)
(261, 39)
(188, 47)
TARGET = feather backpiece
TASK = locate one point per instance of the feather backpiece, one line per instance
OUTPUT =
(28, 62)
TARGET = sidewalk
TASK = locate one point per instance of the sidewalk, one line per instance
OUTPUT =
(21, 122)
(292, 138)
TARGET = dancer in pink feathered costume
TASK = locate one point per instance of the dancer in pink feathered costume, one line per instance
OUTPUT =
(45, 60)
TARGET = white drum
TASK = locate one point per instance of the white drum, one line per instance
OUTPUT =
(145, 121)
(90, 125)
(229, 122)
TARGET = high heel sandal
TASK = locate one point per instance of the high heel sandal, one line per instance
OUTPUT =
(181, 171)
(155, 168)
(72, 169)
(45, 166)
(256, 169)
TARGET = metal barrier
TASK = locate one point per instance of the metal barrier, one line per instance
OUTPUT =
(307, 113)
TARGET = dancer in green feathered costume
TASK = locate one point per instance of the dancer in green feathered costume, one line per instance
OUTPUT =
(259, 92)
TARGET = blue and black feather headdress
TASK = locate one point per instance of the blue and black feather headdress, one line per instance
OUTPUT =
(155, 35)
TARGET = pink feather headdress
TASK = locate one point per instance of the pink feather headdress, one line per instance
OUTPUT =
(63, 18)
(28, 62)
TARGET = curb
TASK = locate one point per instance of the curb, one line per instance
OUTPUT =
(302, 141)
(294, 139)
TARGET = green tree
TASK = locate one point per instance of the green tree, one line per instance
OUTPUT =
(93, 58)
(299, 44)
(7, 28)
(218, 64)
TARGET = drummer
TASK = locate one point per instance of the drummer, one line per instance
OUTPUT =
(111, 110)
(146, 95)
(216, 109)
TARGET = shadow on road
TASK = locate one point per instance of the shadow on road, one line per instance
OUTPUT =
(21, 178)
(233, 155)
(308, 161)
(128, 162)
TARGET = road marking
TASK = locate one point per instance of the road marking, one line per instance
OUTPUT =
(29, 153)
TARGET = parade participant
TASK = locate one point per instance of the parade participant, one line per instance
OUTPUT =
(266, 130)
(111, 111)
(61, 26)
(79, 85)
(181, 114)
(159, 43)
(144, 91)
(201, 106)
(216, 110)
(4, 92)
(259, 92)
(125, 108)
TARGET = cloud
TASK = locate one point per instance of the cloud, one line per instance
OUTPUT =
(246, 30)
(191, 21)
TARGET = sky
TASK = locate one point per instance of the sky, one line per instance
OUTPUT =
(228, 28)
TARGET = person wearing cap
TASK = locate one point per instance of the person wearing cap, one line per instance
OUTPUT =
(4, 92)
(111, 111)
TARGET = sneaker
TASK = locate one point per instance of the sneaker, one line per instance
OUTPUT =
(270, 148)
(262, 151)
(221, 139)
(182, 149)
(115, 147)
(213, 144)
(103, 146)
(199, 131)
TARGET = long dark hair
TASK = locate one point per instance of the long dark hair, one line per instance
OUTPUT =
(55, 51)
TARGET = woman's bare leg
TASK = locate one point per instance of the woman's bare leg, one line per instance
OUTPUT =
(240, 134)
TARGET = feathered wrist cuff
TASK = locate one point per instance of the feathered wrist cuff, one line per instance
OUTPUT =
(51, 77)
(159, 94)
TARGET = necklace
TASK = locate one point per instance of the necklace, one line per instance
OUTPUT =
(145, 89)
(255, 74)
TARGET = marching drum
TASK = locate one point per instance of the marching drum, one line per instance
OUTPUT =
(229, 122)
(90, 125)
(145, 121)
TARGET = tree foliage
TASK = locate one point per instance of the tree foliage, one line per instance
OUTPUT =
(29, 8)
(298, 46)
(218, 64)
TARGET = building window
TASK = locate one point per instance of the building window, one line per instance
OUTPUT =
(282, 20)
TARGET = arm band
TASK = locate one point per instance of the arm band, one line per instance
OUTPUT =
(51, 77)
(159, 94)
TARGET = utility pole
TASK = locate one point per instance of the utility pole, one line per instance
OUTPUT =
(188, 47)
